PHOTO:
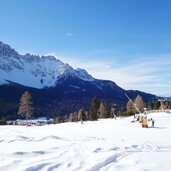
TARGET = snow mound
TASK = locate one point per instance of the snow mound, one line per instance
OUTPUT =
(104, 145)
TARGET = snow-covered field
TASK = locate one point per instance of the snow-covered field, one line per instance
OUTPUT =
(94, 146)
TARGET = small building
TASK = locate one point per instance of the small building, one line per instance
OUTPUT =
(35, 121)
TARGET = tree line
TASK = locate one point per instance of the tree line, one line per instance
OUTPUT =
(97, 110)
(138, 101)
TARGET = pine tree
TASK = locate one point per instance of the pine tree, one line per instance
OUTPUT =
(25, 107)
(150, 106)
(157, 105)
(94, 109)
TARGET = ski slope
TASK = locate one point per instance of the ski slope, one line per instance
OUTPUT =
(104, 145)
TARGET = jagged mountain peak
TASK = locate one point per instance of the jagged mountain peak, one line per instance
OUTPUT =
(31, 58)
(82, 73)
(34, 70)
(6, 50)
(49, 57)
(68, 89)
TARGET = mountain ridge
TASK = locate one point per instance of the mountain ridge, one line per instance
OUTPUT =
(44, 71)
(56, 87)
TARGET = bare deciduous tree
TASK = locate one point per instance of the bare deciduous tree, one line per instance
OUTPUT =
(139, 103)
(25, 107)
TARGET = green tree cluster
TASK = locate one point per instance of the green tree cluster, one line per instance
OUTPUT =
(94, 109)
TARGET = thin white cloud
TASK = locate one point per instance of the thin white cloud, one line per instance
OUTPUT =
(149, 74)
(168, 46)
(68, 34)
(141, 73)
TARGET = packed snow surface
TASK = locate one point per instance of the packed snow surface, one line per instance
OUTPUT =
(104, 145)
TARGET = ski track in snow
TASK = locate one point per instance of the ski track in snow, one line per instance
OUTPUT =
(105, 145)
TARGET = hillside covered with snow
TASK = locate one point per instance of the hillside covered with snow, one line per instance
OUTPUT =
(33, 70)
(56, 88)
(104, 145)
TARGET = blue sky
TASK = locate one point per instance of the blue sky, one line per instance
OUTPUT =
(127, 41)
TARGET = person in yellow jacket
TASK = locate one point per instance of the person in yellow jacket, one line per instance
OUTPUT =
(142, 121)
(145, 123)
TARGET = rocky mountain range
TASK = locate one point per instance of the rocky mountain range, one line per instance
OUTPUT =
(34, 71)
(56, 87)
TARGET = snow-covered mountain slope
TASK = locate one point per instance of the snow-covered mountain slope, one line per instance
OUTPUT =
(34, 71)
(104, 145)
(68, 89)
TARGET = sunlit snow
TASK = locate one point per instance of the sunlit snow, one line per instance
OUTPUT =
(104, 145)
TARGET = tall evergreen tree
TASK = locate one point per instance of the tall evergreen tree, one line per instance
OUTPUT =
(150, 106)
(94, 109)
(25, 107)
(157, 105)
